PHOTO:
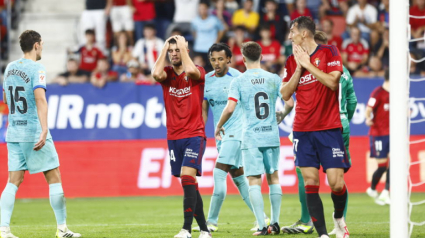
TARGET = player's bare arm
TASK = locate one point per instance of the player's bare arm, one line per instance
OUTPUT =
(368, 115)
(205, 108)
(280, 115)
(41, 103)
(227, 113)
(158, 72)
(188, 66)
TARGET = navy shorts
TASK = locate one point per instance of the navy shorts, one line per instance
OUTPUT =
(315, 148)
(379, 147)
(186, 152)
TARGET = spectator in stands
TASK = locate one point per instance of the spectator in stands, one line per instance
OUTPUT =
(121, 53)
(275, 20)
(235, 44)
(176, 32)
(232, 6)
(199, 60)
(207, 30)
(246, 17)
(355, 51)
(186, 11)
(272, 60)
(333, 7)
(144, 13)
(364, 16)
(72, 74)
(102, 74)
(164, 16)
(301, 10)
(383, 16)
(381, 49)
(418, 25)
(136, 75)
(122, 18)
(222, 14)
(327, 25)
(94, 17)
(147, 49)
(89, 54)
(417, 68)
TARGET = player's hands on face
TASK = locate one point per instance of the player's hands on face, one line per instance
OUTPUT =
(217, 133)
(301, 55)
(181, 42)
(369, 122)
(295, 52)
(41, 141)
(279, 117)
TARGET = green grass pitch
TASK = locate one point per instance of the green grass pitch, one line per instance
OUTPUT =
(162, 217)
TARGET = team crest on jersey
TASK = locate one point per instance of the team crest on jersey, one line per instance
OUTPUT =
(317, 62)
(41, 78)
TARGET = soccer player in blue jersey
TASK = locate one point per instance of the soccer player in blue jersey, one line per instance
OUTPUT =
(217, 84)
(257, 92)
(29, 143)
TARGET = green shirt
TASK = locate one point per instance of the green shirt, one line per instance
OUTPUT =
(347, 97)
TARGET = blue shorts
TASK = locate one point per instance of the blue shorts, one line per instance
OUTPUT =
(230, 153)
(22, 156)
(379, 147)
(258, 161)
(315, 148)
(186, 152)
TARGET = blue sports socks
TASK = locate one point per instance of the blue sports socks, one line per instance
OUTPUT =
(57, 201)
(275, 195)
(243, 187)
(7, 203)
(257, 204)
(219, 194)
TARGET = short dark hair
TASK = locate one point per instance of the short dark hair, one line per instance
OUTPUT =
(320, 37)
(217, 47)
(387, 75)
(149, 25)
(304, 22)
(265, 27)
(240, 27)
(27, 40)
(172, 41)
(205, 3)
(89, 32)
(251, 50)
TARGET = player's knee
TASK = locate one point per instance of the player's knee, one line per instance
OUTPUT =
(337, 187)
(311, 181)
(16, 180)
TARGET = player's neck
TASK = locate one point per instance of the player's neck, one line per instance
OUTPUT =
(386, 86)
(253, 65)
(178, 69)
(31, 56)
(309, 46)
(219, 75)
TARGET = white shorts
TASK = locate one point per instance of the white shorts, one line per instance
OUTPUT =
(122, 18)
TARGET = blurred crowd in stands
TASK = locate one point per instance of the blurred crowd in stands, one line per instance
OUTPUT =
(121, 39)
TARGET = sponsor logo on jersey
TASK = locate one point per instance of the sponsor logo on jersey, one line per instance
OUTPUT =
(20, 123)
(317, 62)
(263, 129)
(180, 92)
(334, 63)
(42, 78)
(218, 103)
(309, 78)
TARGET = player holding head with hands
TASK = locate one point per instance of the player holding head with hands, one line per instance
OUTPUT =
(257, 92)
(29, 143)
(183, 90)
(314, 72)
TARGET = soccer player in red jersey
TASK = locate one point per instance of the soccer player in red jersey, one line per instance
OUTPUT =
(313, 73)
(183, 90)
(379, 133)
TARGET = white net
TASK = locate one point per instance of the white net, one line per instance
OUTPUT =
(413, 184)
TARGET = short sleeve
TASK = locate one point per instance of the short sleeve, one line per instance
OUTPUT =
(288, 71)
(202, 71)
(168, 72)
(193, 25)
(334, 62)
(234, 93)
(278, 84)
(39, 78)
(220, 26)
(373, 100)
(351, 16)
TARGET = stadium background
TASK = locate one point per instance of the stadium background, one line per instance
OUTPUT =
(112, 140)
